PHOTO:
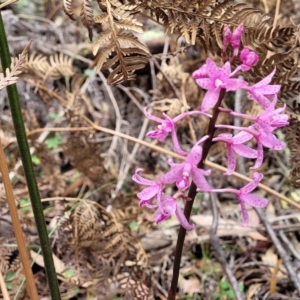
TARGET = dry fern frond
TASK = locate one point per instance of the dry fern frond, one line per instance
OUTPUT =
(67, 7)
(86, 14)
(293, 140)
(87, 17)
(59, 65)
(10, 76)
(119, 50)
(111, 259)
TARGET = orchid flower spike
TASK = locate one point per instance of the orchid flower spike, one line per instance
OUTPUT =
(181, 172)
(245, 197)
(168, 207)
(168, 125)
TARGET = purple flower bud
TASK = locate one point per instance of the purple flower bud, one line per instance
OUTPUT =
(248, 58)
(236, 38)
(227, 34)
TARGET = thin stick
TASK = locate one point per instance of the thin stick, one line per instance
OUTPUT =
(31, 287)
(219, 253)
(3, 287)
(293, 275)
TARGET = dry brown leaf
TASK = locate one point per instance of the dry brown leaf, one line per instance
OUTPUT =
(228, 227)
(189, 286)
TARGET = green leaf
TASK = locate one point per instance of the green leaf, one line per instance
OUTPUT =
(224, 285)
(89, 72)
(53, 116)
(241, 287)
(230, 294)
(53, 142)
(10, 276)
(69, 273)
(9, 285)
(35, 160)
(23, 202)
(133, 225)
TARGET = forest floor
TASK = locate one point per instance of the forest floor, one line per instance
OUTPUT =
(104, 243)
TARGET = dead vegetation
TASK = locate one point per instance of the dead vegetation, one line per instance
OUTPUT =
(104, 245)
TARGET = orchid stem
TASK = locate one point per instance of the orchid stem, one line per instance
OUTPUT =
(191, 194)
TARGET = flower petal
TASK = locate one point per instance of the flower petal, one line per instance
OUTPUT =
(158, 134)
(200, 73)
(151, 117)
(266, 80)
(261, 99)
(205, 83)
(245, 216)
(148, 193)
(210, 99)
(260, 156)
(242, 137)
(254, 200)
(173, 175)
(245, 151)
(159, 216)
(182, 219)
(140, 180)
(231, 161)
(268, 90)
(248, 188)
(233, 84)
(200, 180)
(194, 156)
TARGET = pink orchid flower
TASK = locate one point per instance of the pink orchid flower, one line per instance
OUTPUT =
(181, 172)
(168, 207)
(154, 189)
(216, 79)
(245, 197)
(234, 144)
(266, 139)
(262, 90)
(269, 120)
(168, 125)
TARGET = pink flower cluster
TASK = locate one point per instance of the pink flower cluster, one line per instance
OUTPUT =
(213, 79)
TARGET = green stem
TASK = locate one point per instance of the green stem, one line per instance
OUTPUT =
(28, 169)
(191, 194)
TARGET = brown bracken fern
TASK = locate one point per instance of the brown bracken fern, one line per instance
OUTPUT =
(112, 261)
(119, 50)
(10, 76)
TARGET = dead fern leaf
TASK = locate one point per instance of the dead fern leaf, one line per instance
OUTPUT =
(87, 17)
(60, 66)
(110, 257)
(10, 76)
(67, 7)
